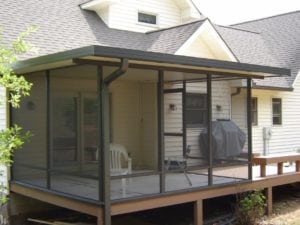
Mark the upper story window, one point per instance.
(254, 113)
(277, 111)
(147, 18)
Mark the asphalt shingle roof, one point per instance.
(63, 25)
(281, 36)
(250, 47)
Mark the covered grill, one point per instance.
(228, 140)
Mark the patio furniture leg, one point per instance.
(269, 197)
(280, 168)
(123, 187)
(188, 179)
(297, 166)
(262, 170)
(198, 212)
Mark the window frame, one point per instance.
(204, 110)
(255, 111)
(277, 115)
(150, 14)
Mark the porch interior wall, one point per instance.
(220, 96)
(32, 117)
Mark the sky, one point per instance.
(226, 12)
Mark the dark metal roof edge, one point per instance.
(273, 88)
(186, 60)
(55, 57)
(103, 51)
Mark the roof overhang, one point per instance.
(148, 60)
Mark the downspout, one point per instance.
(238, 91)
(117, 73)
(105, 134)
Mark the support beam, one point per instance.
(160, 116)
(48, 132)
(249, 127)
(269, 198)
(198, 212)
(280, 168)
(105, 155)
(209, 129)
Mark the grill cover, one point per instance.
(228, 140)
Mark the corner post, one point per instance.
(104, 159)
(249, 127)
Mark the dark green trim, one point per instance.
(138, 55)
(161, 130)
(117, 73)
(48, 128)
(273, 88)
(249, 126)
(209, 129)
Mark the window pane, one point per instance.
(90, 128)
(254, 111)
(64, 129)
(195, 101)
(195, 117)
(195, 109)
(147, 18)
(277, 111)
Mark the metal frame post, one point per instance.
(184, 142)
(104, 151)
(249, 127)
(48, 127)
(160, 120)
(209, 130)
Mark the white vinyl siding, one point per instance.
(124, 15)
(285, 137)
(173, 120)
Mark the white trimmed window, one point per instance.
(277, 111)
(147, 18)
(254, 111)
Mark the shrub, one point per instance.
(250, 208)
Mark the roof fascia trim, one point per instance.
(111, 52)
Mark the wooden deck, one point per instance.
(272, 179)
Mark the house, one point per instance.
(155, 78)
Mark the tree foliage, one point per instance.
(12, 138)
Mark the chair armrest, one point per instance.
(129, 160)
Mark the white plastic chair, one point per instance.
(118, 157)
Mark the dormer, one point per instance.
(143, 16)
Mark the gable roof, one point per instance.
(63, 25)
(250, 47)
(280, 34)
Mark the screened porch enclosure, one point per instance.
(161, 129)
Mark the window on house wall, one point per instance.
(147, 18)
(196, 110)
(277, 111)
(254, 112)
